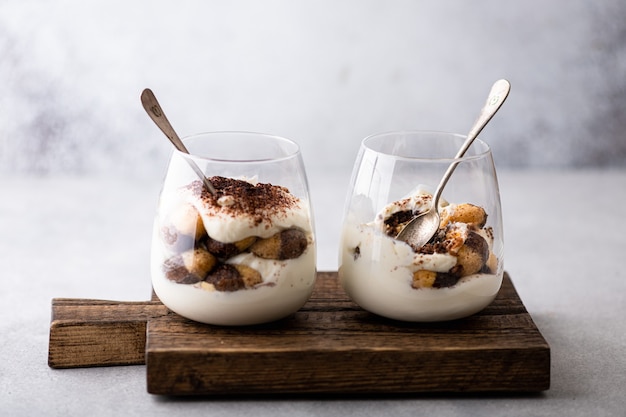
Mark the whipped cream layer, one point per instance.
(245, 208)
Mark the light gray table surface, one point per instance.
(89, 238)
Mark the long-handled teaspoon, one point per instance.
(154, 110)
(423, 227)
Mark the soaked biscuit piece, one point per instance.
(226, 278)
(472, 256)
(228, 250)
(445, 279)
(187, 221)
(249, 275)
(288, 244)
(198, 262)
(189, 267)
(466, 213)
(423, 279)
(174, 270)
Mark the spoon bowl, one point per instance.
(424, 226)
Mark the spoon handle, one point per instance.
(156, 113)
(499, 92)
(497, 95)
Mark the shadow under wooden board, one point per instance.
(330, 346)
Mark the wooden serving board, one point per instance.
(329, 346)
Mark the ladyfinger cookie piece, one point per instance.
(288, 244)
(468, 213)
(198, 262)
(472, 256)
(226, 278)
(249, 275)
(175, 270)
(228, 250)
(432, 279)
(187, 221)
(423, 278)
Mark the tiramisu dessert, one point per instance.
(242, 256)
(457, 273)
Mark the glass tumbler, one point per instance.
(459, 271)
(245, 253)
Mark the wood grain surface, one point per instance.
(329, 346)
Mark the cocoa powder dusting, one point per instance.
(259, 201)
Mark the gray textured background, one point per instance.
(324, 73)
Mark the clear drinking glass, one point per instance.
(245, 255)
(457, 273)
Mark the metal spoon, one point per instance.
(154, 110)
(423, 227)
